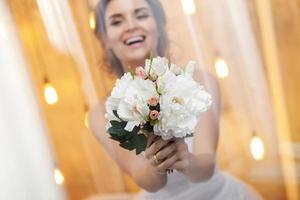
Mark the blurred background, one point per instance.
(52, 73)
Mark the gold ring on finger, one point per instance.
(156, 160)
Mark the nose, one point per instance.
(131, 25)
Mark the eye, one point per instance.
(115, 23)
(142, 16)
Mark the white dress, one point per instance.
(220, 187)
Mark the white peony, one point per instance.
(117, 94)
(133, 107)
(182, 101)
(175, 69)
(189, 69)
(110, 105)
(129, 98)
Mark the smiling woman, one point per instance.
(131, 31)
(48, 151)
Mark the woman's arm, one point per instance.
(199, 165)
(140, 168)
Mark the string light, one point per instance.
(221, 68)
(50, 93)
(86, 116)
(257, 148)
(188, 6)
(92, 21)
(58, 176)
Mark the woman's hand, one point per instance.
(196, 168)
(173, 154)
(182, 154)
(161, 153)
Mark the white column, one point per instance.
(26, 163)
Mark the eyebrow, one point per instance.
(116, 15)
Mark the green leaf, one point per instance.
(116, 114)
(140, 143)
(116, 139)
(136, 129)
(116, 131)
(127, 145)
(153, 122)
(118, 124)
(189, 135)
(148, 127)
(128, 140)
(129, 135)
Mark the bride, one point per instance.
(129, 30)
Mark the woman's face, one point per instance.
(131, 30)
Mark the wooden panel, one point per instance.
(286, 15)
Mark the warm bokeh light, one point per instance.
(86, 119)
(2, 31)
(92, 21)
(188, 6)
(257, 148)
(50, 94)
(221, 68)
(58, 176)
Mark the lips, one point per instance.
(134, 40)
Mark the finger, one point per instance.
(166, 151)
(178, 141)
(151, 139)
(157, 146)
(164, 155)
(181, 145)
(154, 148)
(154, 162)
(168, 162)
(180, 165)
(177, 166)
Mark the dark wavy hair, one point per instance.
(100, 31)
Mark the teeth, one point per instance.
(134, 39)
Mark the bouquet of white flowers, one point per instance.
(160, 98)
